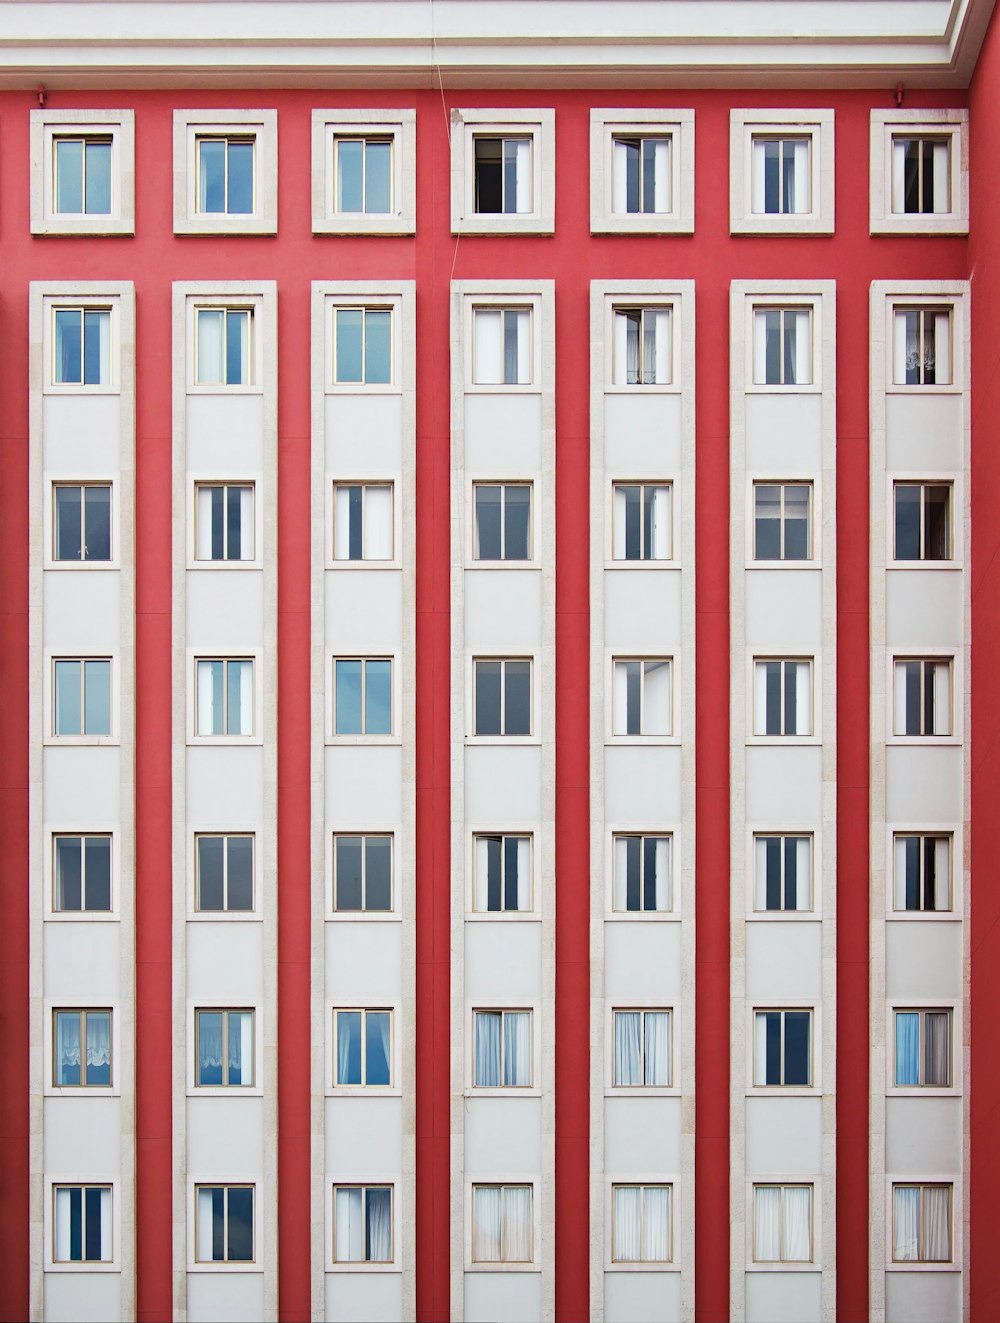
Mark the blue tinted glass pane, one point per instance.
(210, 858)
(93, 1223)
(68, 539)
(69, 175)
(378, 698)
(517, 714)
(212, 174)
(76, 1224)
(487, 698)
(239, 681)
(98, 184)
(97, 872)
(349, 1047)
(350, 174)
(68, 354)
(348, 337)
(347, 865)
(378, 873)
(237, 345)
(69, 883)
(210, 1047)
(218, 1223)
(97, 697)
(378, 177)
(240, 879)
(97, 522)
(240, 196)
(377, 1039)
(98, 1048)
(68, 1048)
(96, 340)
(240, 1224)
(378, 346)
(348, 686)
(67, 714)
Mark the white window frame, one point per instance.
(54, 1180)
(782, 1004)
(953, 831)
(252, 303)
(194, 1264)
(612, 1090)
(756, 831)
(52, 833)
(394, 482)
(467, 124)
(374, 302)
(955, 1042)
(49, 125)
(392, 915)
(674, 500)
(812, 304)
(391, 1090)
(506, 1178)
(395, 683)
(814, 482)
(957, 695)
(615, 830)
(400, 128)
(504, 741)
(475, 562)
(947, 123)
(254, 915)
(896, 478)
(501, 1005)
(815, 663)
(395, 1264)
(189, 127)
(53, 1090)
(498, 303)
(51, 304)
(608, 123)
(198, 480)
(674, 662)
(671, 1180)
(531, 914)
(114, 698)
(54, 480)
(952, 1265)
(815, 1262)
(196, 1090)
(815, 125)
(924, 304)
(252, 655)
(671, 308)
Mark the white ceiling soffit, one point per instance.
(489, 43)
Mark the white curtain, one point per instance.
(621, 872)
(486, 1223)
(661, 862)
(348, 1030)
(942, 698)
(64, 1225)
(942, 348)
(760, 1049)
(660, 524)
(628, 1048)
(241, 1047)
(524, 872)
(757, 170)
(800, 175)
(760, 347)
(210, 1040)
(803, 698)
(942, 182)
(627, 1222)
(619, 173)
(656, 1035)
(517, 1049)
(656, 1224)
(206, 1214)
(899, 872)
(379, 1224)
(760, 698)
(656, 698)
(342, 522)
(661, 339)
(899, 176)
(899, 699)
(798, 324)
(798, 1224)
(523, 322)
(211, 330)
(204, 518)
(937, 1041)
(349, 1230)
(68, 1046)
(661, 174)
(383, 1026)
(209, 691)
(624, 330)
(767, 1223)
(104, 331)
(523, 174)
(246, 523)
(937, 1224)
(621, 698)
(760, 872)
(489, 346)
(378, 522)
(902, 324)
(482, 882)
(517, 1223)
(488, 1049)
(907, 1048)
(98, 1039)
(803, 873)
(244, 685)
(906, 1223)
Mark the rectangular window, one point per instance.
(921, 347)
(224, 866)
(782, 698)
(642, 520)
(923, 696)
(782, 347)
(362, 346)
(81, 525)
(225, 175)
(503, 873)
(782, 521)
(224, 339)
(81, 1042)
(642, 347)
(781, 176)
(641, 175)
(82, 176)
(362, 874)
(82, 873)
(225, 696)
(224, 1217)
(921, 175)
(503, 520)
(502, 1049)
(923, 1049)
(642, 697)
(782, 1050)
(782, 1223)
(502, 338)
(502, 1224)
(643, 873)
(642, 1049)
(363, 696)
(922, 520)
(82, 1224)
(362, 521)
(641, 1223)
(782, 872)
(921, 1223)
(82, 347)
(921, 872)
(362, 1224)
(224, 1051)
(363, 174)
(363, 1041)
(82, 696)
(502, 174)
(225, 525)
(503, 697)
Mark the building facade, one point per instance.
(499, 608)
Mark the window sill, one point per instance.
(500, 389)
(225, 741)
(366, 741)
(811, 1266)
(77, 388)
(473, 564)
(782, 1091)
(919, 223)
(82, 916)
(503, 741)
(923, 916)
(925, 566)
(362, 916)
(641, 1091)
(646, 565)
(82, 1091)
(642, 222)
(642, 916)
(923, 742)
(227, 565)
(362, 1091)
(475, 1266)
(930, 1092)
(366, 1268)
(224, 1091)
(357, 222)
(923, 1267)
(83, 741)
(112, 1266)
(503, 222)
(96, 225)
(226, 1267)
(502, 916)
(355, 565)
(763, 388)
(75, 566)
(223, 916)
(508, 1092)
(642, 741)
(218, 388)
(224, 223)
(783, 916)
(663, 1265)
(362, 388)
(897, 388)
(784, 742)
(762, 224)
(642, 388)
(752, 563)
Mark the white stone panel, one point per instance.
(923, 1297)
(503, 1135)
(225, 785)
(643, 1297)
(363, 435)
(783, 1297)
(502, 610)
(81, 611)
(786, 1135)
(642, 962)
(364, 610)
(225, 963)
(783, 433)
(784, 609)
(502, 784)
(923, 608)
(642, 1135)
(225, 1136)
(81, 784)
(783, 960)
(924, 433)
(364, 1297)
(363, 963)
(363, 1138)
(81, 962)
(225, 434)
(643, 785)
(226, 1297)
(503, 960)
(363, 786)
(784, 785)
(923, 1136)
(82, 1135)
(642, 608)
(502, 435)
(82, 435)
(923, 784)
(83, 1297)
(923, 959)
(503, 1297)
(642, 434)
(225, 611)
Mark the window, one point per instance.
(641, 1223)
(642, 347)
(82, 521)
(923, 1049)
(81, 1049)
(82, 347)
(782, 522)
(920, 171)
(502, 171)
(82, 1223)
(503, 873)
(364, 1048)
(224, 1052)
(641, 174)
(224, 513)
(502, 346)
(782, 347)
(362, 521)
(82, 172)
(782, 1049)
(782, 697)
(225, 696)
(642, 1049)
(82, 696)
(82, 175)
(224, 1217)
(502, 1049)
(82, 873)
(363, 690)
(781, 175)
(362, 1224)
(501, 1224)
(921, 174)
(224, 346)
(923, 696)
(782, 872)
(225, 175)
(224, 867)
(781, 171)
(921, 872)
(922, 520)
(921, 347)
(503, 696)
(225, 171)
(364, 172)
(503, 174)
(363, 175)
(782, 1223)
(642, 873)
(642, 520)
(362, 873)
(640, 180)
(921, 1223)
(362, 346)
(503, 520)
(642, 698)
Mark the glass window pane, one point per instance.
(348, 366)
(488, 698)
(378, 873)
(67, 1049)
(378, 346)
(211, 174)
(98, 1049)
(378, 698)
(98, 183)
(69, 873)
(378, 1035)
(348, 698)
(767, 522)
(97, 872)
(239, 890)
(97, 522)
(239, 197)
(907, 521)
(517, 523)
(69, 346)
(349, 1047)
(69, 175)
(378, 178)
(210, 874)
(517, 698)
(347, 864)
(237, 346)
(350, 174)
(210, 335)
(96, 343)
(210, 1046)
(68, 539)
(488, 541)
(68, 713)
(797, 1048)
(489, 175)
(240, 1224)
